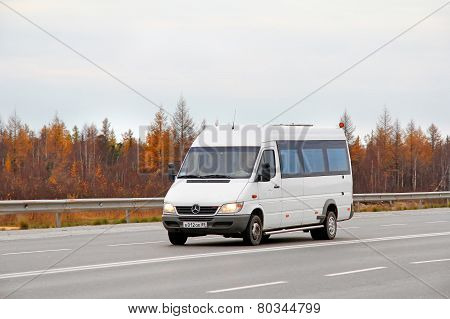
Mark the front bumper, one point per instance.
(217, 224)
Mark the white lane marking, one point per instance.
(248, 287)
(354, 271)
(162, 241)
(216, 254)
(344, 228)
(142, 243)
(36, 251)
(437, 221)
(430, 261)
(389, 225)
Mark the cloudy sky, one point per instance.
(257, 56)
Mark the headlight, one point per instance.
(168, 209)
(231, 208)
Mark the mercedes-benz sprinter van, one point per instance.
(252, 182)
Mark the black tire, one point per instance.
(253, 234)
(328, 232)
(265, 238)
(177, 239)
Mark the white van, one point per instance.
(252, 182)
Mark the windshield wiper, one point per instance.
(189, 176)
(215, 176)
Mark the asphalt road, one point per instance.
(375, 255)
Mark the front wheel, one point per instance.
(253, 234)
(328, 232)
(177, 239)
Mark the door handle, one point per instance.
(276, 186)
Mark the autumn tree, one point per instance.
(183, 130)
(398, 155)
(418, 154)
(357, 154)
(58, 146)
(157, 150)
(349, 128)
(383, 149)
(437, 169)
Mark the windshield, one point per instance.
(219, 162)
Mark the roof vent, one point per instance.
(293, 124)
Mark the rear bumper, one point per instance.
(352, 212)
(218, 225)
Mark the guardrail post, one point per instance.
(127, 216)
(58, 220)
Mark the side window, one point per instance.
(290, 162)
(291, 165)
(268, 156)
(313, 160)
(338, 157)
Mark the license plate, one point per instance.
(195, 224)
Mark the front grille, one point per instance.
(194, 218)
(204, 210)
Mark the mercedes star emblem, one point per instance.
(195, 209)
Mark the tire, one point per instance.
(328, 232)
(177, 239)
(253, 234)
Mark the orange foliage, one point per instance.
(90, 163)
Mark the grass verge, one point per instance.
(47, 220)
(399, 206)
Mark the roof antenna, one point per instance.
(234, 119)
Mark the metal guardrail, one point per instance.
(78, 205)
(387, 197)
(127, 204)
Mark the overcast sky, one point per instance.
(257, 56)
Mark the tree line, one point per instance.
(91, 162)
(396, 159)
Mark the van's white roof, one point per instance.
(254, 135)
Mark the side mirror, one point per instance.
(171, 172)
(265, 173)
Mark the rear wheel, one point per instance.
(253, 234)
(177, 239)
(328, 232)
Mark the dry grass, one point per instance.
(47, 220)
(398, 206)
(2, 228)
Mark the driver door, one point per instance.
(269, 192)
